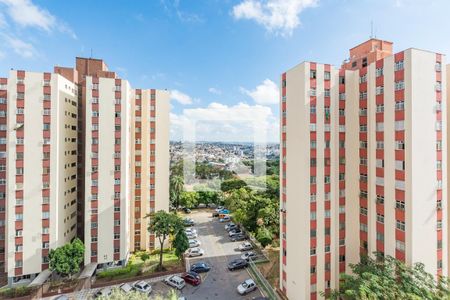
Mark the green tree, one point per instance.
(189, 199)
(176, 188)
(232, 184)
(162, 224)
(180, 243)
(144, 256)
(66, 260)
(388, 278)
(264, 236)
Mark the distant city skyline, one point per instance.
(213, 55)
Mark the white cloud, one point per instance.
(20, 47)
(265, 94)
(180, 97)
(214, 91)
(277, 16)
(219, 122)
(26, 14)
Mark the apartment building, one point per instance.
(363, 165)
(38, 163)
(149, 162)
(100, 165)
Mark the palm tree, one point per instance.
(176, 188)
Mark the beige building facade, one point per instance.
(71, 143)
(363, 165)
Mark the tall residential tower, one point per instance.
(363, 165)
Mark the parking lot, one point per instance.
(219, 283)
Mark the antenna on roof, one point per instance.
(371, 29)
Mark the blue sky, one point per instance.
(219, 57)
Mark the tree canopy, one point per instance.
(66, 260)
(388, 278)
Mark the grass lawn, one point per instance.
(137, 267)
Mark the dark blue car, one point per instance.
(200, 267)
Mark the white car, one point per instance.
(229, 224)
(194, 243)
(191, 235)
(126, 288)
(143, 287)
(190, 230)
(175, 281)
(246, 287)
(225, 219)
(245, 246)
(219, 208)
(248, 255)
(195, 252)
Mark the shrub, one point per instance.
(264, 236)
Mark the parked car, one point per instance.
(246, 287)
(194, 243)
(238, 237)
(143, 287)
(200, 267)
(191, 235)
(237, 264)
(175, 281)
(61, 297)
(188, 222)
(126, 288)
(225, 219)
(233, 232)
(215, 214)
(191, 252)
(245, 246)
(249, 255)
(186, 210)
(104, 292)
(219, 208)
(224, 211)
(190, 230)
(201, 205)
(231, 224)
(212, 205)
(192, 278)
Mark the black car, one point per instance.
(238, 237)
(237, 264)
(187, 210)
(200, 267)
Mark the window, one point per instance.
(380, 218)
(363, 78)
(341, 96)
(45, 215)
(380, 145)
(313, 215)
(363, 210)
(312, 109)
(379, 72)
(327, 75)
(399, 205)
(363, 112)
(399, 145)
(312, 74)
(363, 227)
(400, 105)
(400, 225)
(312, 251)
(380, 236)
(379, 126)
(399, 245)
(399, 125)
(400, 165)
(312, 92)
(312, 127)
(380, 108)
(362, 95)
(379, 90)
(327, 248)
(399, 65)
(312, 179)
(363, 128)
(312, 198)
(399, 85)
(327, 93)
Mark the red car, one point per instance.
(192, 278)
